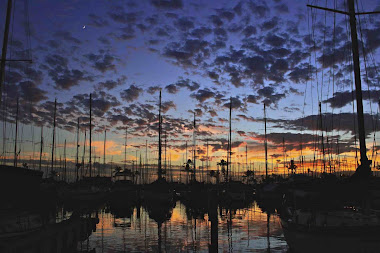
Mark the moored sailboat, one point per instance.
(337, 217)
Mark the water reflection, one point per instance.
(180, 227)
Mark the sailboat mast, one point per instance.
(266, 143)
(283, 151)
(194, 148)
(166, 160)
(207, 165)
(140, 170)
(159, 139)
(41, 147)
(4, 49)
(125, 148)
(84, 151)
(90, 133)
(246, 157)
(77, 158)
(364, 169)
(16, 121)
(52, 147)
(146, 160)
(322, 138)
(104, 150)
(230, 138)
(64, 161)
(358, 87)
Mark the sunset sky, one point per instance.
(200, 53)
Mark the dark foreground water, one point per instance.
(137, 229)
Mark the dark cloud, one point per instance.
(102, 61)
(104, 40)
(341, 99)
(249, 30)
(236, 103)
(30, 92)
(274, 40)
(200, 32)
(184, 24)
(161, 32)
(101, 102)
(259, 8)
(301, 73)
(97, 21)
(166, 106)
(202, 95)
(213, 75)
(238, 8)
(252, 99)
(216, 20)
(111, 84)
(53, 44)
(339, 122)
(190, 53)
(66, 78)
(282, 8)
(65, 35)
(153, 89)
(131, 94)
(187, 83)
(225, 14)
(269, 95)
(123, 17)
(171, 88)
(268, 25)
(167, 4)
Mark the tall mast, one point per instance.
(358, 90)
(41, 147)
(64, 161)
(364, 169)
(322, 138)
(159, 139)
(77, 158)
(125, 148)
(166, 160)
(104, 150)
(52, 147)
(135, 168)
(230, 151)
(207, 165)
(15, 158)
(84, 150)
(90, 133)
(140, 170)
(194, 149)
(266, 143)
(146, 159)
(229, 143)
(4, 50)
(246, 157)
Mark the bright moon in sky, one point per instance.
(84, 27)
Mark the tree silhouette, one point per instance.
(222, 165)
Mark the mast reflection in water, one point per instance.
(185, 229)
